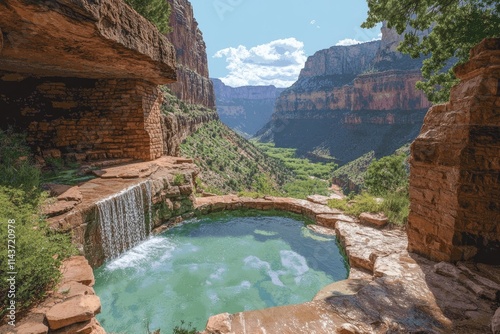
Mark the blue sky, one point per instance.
(261, 42)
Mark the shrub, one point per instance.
(156, 11)
(16, 167)
(184, 329)
(387, 175)
(359, 204)
(396, 207)
(179, 179)
(39, 250)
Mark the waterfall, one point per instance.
(125, 219)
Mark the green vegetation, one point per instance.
(304, 168)
(456, 25)
(387, 175)
(179, 179)
(229, 163)
(38, 250)
(354, 172)
(173, 105)
(156, 11)
(184, 328)
(310, 178)
(386, 184)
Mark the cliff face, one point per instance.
(80, 77)
(455, 167)
(245, 109)
(352, 100)
(193, 85)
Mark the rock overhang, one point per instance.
(99, 39)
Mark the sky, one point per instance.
(266, 42)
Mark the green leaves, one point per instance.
(387, 175)
(156, 11)
(457, 26)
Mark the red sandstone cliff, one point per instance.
(352, 100)
(193, 85)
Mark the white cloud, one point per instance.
(348, 41)
(276, 63)
(313, 22)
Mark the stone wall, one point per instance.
(85, 119)
(455, 167)
(80, 77)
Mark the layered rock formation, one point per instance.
(352, 100)
(245, 109)
(193, 85)
(70, 308)
(81, 78)
(191, 100)
(455, 167)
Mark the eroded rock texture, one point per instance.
(193, 85)
(361, 97)
(455, 167)
(80, 76)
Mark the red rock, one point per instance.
(73, 310)
(374, 219)
(72, 288)
(85, 327)
(58, 208)
(77, 269)
(32, 328)
(455, 163)
(72, 194)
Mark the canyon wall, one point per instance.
(455, 167)
(193, 85)
(81, 78)
(190, 102)
(245, 109)
(351, 100)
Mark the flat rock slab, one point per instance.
(32, 328)
(364, 244)
(72, 194)
(73, 310)
(77, 269)
(58, 208)
(373, 219)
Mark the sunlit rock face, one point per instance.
(361, 96)
(81, 78)
(455, 167)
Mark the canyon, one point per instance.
(92, 96)
(350, 100)
(245, 109)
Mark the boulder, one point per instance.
(374, 219)
(495, 322)
(73, 310)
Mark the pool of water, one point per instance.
(213, 265)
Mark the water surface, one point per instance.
(213, 265)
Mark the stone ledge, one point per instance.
(388, 290)
(83, 38)
(69, 309)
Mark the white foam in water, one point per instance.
(218, 274)
(256, 263)
(139, 255)
(122, 219)
(295, 262)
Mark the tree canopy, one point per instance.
(455, 27)
(156, 11)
